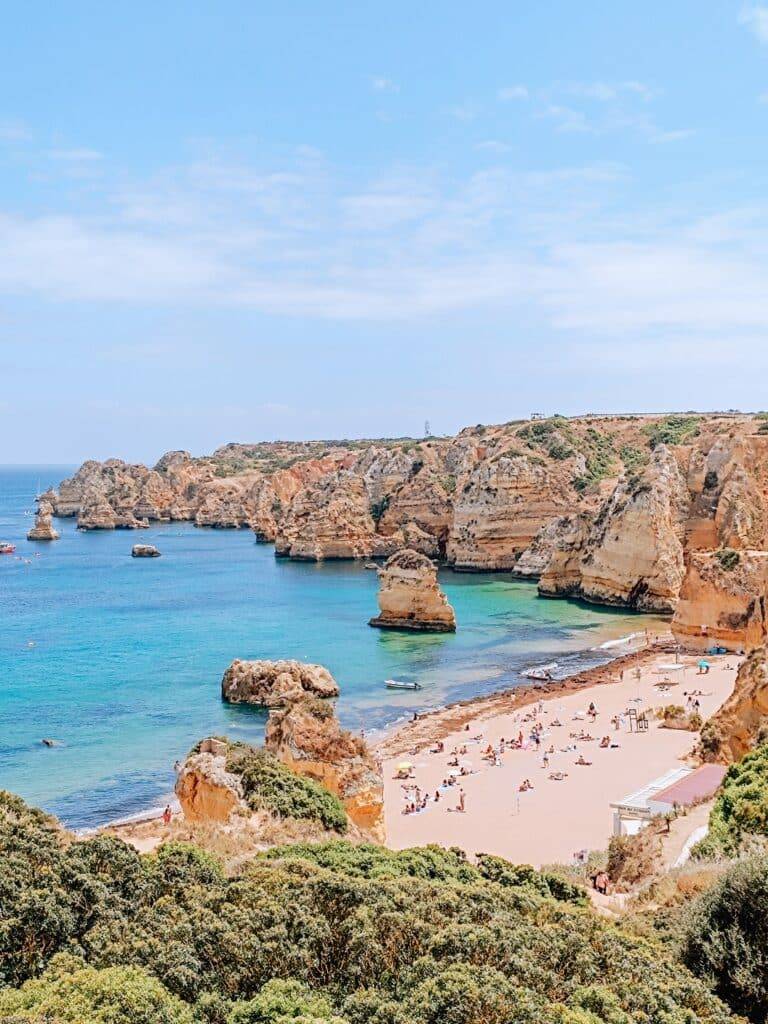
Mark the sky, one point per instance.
(241, 221)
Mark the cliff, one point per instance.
(605, 508)
(723, 599)
(742, 721)
(274, 683)
(410, 596)
(307, 737)
(207, 791)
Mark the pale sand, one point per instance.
(555, 819)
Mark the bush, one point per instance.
(72, 992)
(672, 430)
(726, 938)
(741, 808)
(309, 934)
(270, 785)
(728, 559)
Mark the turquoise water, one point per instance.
(121, 659)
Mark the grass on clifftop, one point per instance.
(270, 785)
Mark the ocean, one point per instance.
(120, 660)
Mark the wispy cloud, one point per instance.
(756, 19)
(12, 130)
(493, 146)
(513, 92)
(605, 92)
(464, 111)
(381, 84)
(75, 155)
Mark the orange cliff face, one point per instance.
(410, 596)
(307, 737)
(742, 721)
(609, 509)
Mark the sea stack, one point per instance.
(43, 528)
(272, 684)
(145, 551)
(410, 597)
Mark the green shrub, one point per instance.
(672, 430)
(726, 938)
(728, 558)
(741, 808)
(270, 785)
(69, 991)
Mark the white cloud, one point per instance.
(464, 111)
(75, 155)
(513, 92)
(13, 131)
(756, 19)
(607, 91)
(381, 84)
(493, 146)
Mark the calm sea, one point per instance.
(120, 659)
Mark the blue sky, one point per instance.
(241, 221)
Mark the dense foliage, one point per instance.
(268, 784)
(741, 808)
(672, 430)
(726, 937)
(328, 934)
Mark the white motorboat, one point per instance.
(395, 684)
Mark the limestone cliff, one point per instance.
(207, 792)
(601, 507)
(43, 528)
(634, 554)
(742, 721)
(724, 599)
(499, 510)
(307, 737)
(275, 683)
(410, 596)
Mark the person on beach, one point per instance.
(461, 806)
(167, 815)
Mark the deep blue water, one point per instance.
(121, 659)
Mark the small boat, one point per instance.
(394, 684)
(6, 548)
(543, 672)
(370, 565)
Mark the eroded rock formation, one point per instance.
(145, 551)
(307, 737)
(410, 596)
(207, 792)
(43, 528)
(604, 508)
(724, 599)
(742, 721)
(274, 683)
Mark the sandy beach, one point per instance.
(551, 821)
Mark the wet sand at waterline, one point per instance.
(556, 818)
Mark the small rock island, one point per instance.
(410, 596)
(144, 551)
(43, 528)
(273, 684)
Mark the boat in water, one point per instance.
(395, 684)
(6, 548)
(541, 672)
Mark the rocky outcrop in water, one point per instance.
(410, 596)
(275, 683)
(43, 528)
(145, 551)
(742, 721)
(307, 737)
